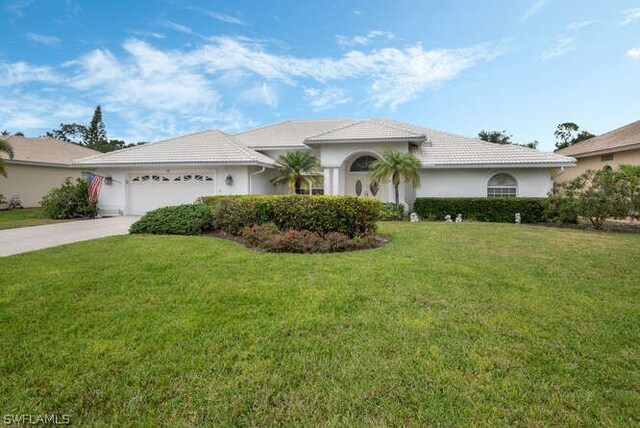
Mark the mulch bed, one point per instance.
(378, 242)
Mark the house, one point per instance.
(607, 151)
(211, 162)
(39, 164)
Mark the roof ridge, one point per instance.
(335, 129)
(601, 136)
(394, 126)
(140, 146)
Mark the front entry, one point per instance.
(358, 182)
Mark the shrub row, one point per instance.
(350, 216)
(268, 237)
(498, 210)
(189, 219)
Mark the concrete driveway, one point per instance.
(21, 240)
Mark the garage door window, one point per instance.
(166, 178)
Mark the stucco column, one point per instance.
(391, 192)
(327, 181)
(335, 182)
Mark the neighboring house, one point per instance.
(39, 164)
(607, 151)
(214, 163)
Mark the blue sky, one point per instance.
(164, 68)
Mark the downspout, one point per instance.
(255, 173)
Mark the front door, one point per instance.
(358, 182)
(361, 185)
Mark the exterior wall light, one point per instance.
(108, 180)
(229, 180)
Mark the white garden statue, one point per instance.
(447, 218)
(413, 217)
(518, 218)
(459, 218)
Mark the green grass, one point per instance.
(24, 217)
(450, 324)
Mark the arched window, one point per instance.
(362, 164)
(502, 186)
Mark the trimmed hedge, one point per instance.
(351, 216)
(497, 210)
(189, 219)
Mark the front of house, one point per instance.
(211, 162)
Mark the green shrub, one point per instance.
(351, 216)
(390, 212)
(497, 210)
(189, 219)
(595, 195)
(2, 199)
(71, 200)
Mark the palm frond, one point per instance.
(6, 148)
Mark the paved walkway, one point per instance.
(21, 240)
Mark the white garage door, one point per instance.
(151, 190)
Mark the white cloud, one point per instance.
(41, 38)
(357, 12)
(221, 17)
(21, 72)
(159, 92)
(634, 53)
(151, 34)
(563, 45)
(326, 98)
(262, 94)
(574, 26)
(17, 7)
(532, 10)
(364, 40)
(178, 27)
(630, 15)
(41, 112)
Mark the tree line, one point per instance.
(567, 134)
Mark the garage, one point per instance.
(151, 190)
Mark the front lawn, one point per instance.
(450, 324)
(24, 217)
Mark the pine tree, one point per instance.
(96, 133)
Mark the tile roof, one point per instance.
(291, 133)
(45, 150)
(209, 146)
(616, 140)
(446, 149)
(367, 130)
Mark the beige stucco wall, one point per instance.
(30, 183)
(595, 163)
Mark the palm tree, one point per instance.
(396, 166)
(295, 169)
(5, 147)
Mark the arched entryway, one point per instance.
(358, 182)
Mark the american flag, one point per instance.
(95, 182)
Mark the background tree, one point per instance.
(568, 134)
(5, 147)
(501, 137)
(96, 133)
(496, 137)
(295, 169)
(93, 136)
(396, 166)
